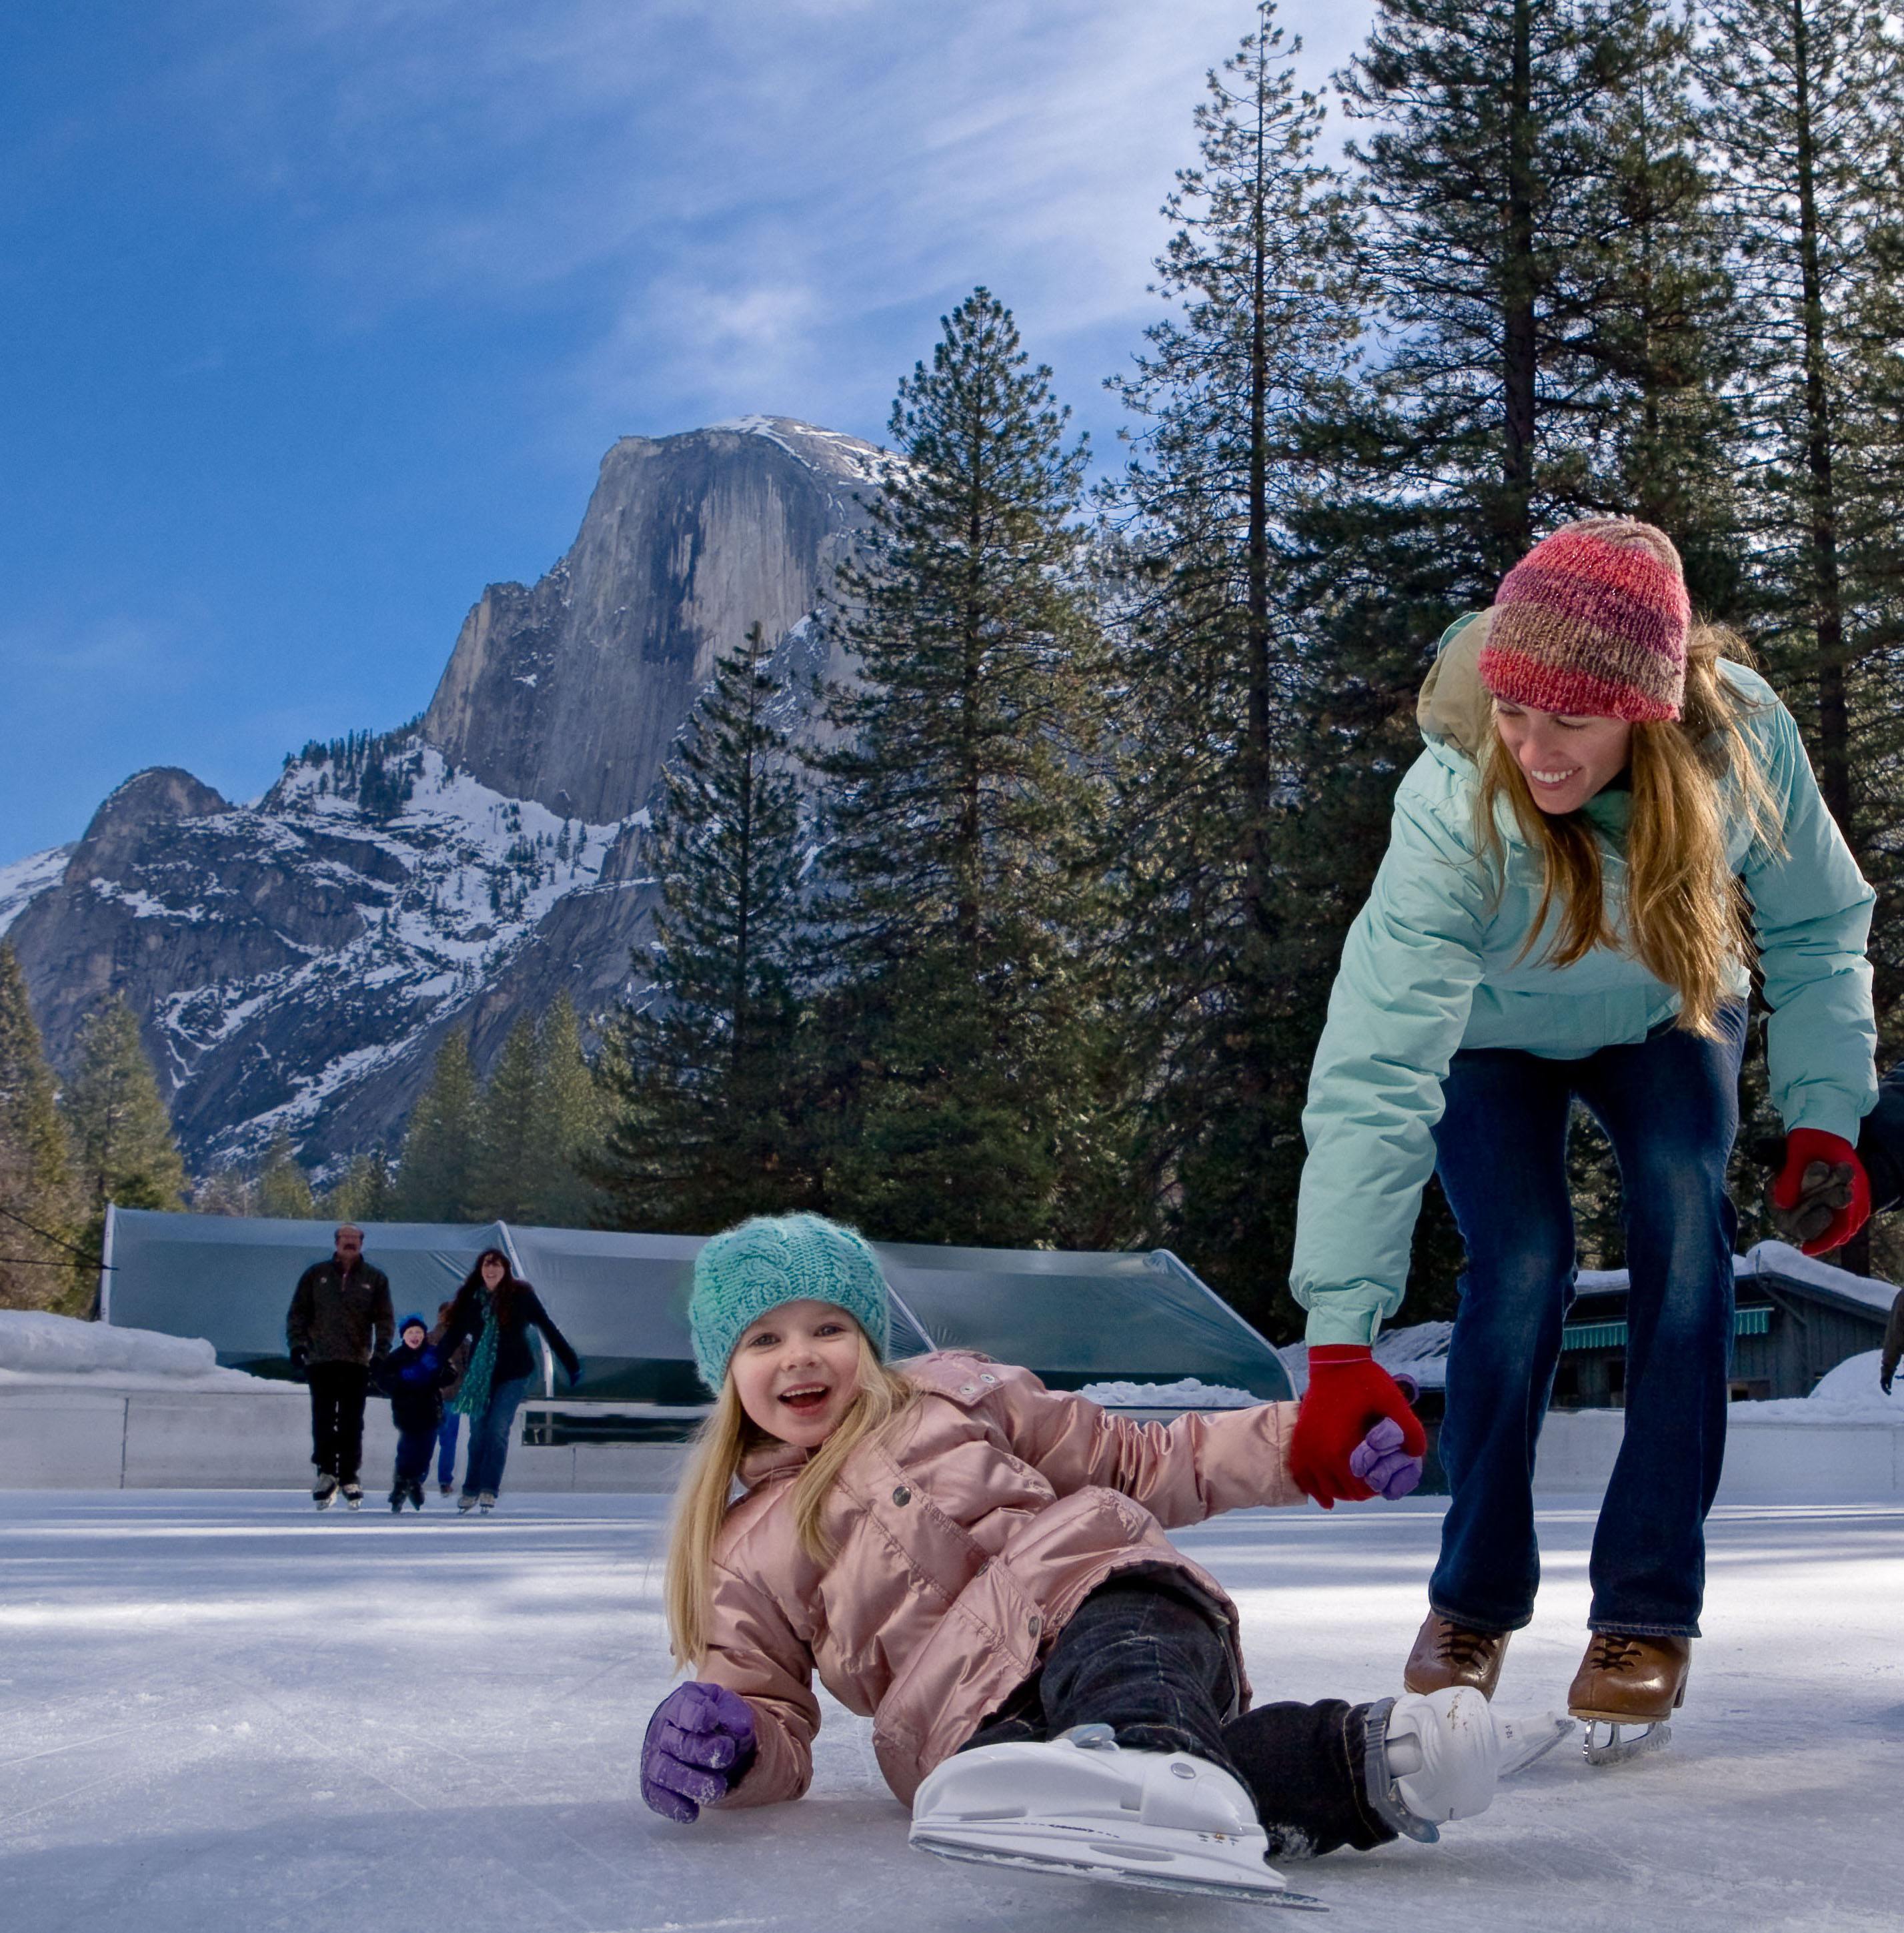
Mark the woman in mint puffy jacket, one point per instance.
(1610, 819)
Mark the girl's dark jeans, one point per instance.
(1143, 1655)
(1670, 1106)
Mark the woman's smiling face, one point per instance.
(797, 1370)
(1566, 760)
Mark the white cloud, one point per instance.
(135, 653)
(737, 195)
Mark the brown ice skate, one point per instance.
(1631, 1685)
(1446, 1653)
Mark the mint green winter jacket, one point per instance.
(1435, 962)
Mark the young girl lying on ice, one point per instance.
(979, 1563)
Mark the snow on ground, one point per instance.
(1849, 1394)
(38, 1348)
(223, 1711)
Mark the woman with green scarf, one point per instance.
(495, 1312)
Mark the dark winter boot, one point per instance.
(1446, 1653)
(416, 1494)
(353, 1495)
(323, 1492)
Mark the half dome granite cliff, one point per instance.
(296, 960)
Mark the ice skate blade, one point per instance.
(1274, 1894)
(1649, 1735)
(1529, 1739)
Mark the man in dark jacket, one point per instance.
(1893, 1344)
(340, 1317)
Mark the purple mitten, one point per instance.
(1381, 1462)
(700, 1744)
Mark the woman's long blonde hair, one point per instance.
(1687, 919)
(706, 1491)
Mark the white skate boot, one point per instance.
(1434, 1757)
(1083, 1806)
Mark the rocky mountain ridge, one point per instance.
(296, 960)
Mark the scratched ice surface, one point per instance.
(221, 1711)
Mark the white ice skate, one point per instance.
(1083, 1806)
(1436, 1756)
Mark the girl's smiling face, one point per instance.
(1566, 760)
(797, 1370)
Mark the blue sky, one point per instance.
(317, 316)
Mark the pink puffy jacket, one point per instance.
(965, 1540)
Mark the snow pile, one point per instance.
(1778, 1258)
(1849, 1394)
(1187, 1393)
(35, 1345)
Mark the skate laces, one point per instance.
(1612, 1651)
(1463, 1648)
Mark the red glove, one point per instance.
(1807, 1150)
(1349, 1393)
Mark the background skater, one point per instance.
(340, 1317)
(412, 1375)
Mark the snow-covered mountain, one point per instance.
(296, 960)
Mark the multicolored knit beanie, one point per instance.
(1592, 622)
(746, 1271)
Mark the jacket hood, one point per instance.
(1452, 710)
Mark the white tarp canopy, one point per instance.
(621, 1300)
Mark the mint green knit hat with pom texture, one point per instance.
(745, 1271)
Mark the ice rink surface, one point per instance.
(222, 1711)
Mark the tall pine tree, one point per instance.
(1657, 339)
(40, 1224)
(1262, 275)
(282, 1189)
(123, 1147)
(1807, 103)
(506, 1158)
(570, 1119)
(437, 1173)
(363, 1192)
(960, 1018)
(702, 1072)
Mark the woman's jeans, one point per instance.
(447, 1433)
(490, 1430)
(1143, 1655)
(1670, 1106)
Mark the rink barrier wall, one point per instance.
(1577, 1448)
(80, 1438)
(85, 1439)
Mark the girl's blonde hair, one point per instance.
(1687, 918)
(706, 1491)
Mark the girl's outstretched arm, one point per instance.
(1180, 1472)
(753, 1651)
